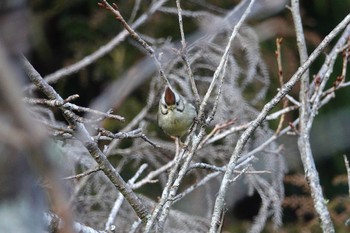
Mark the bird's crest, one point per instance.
(169, 96)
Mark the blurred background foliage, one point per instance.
(63, 32)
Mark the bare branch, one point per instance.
(81, 175)
(347, 171)
(69, 106)
(280, 76)
(223, 60)
(303, 140)
(219, 203)
(120, 199)
(195, 141)
(166, 191)
(135, 36)
(150, 177)
(184, 55)
(82, 134)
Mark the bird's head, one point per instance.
(171, 101)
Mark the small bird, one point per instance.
(175, 114)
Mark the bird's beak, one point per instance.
(171, 107)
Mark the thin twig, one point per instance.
(136, 120)
(184, 55)
(81, 175)
(134, 11)
(136, 133)
(150, 177)
(187, 155)
(212, 112)
(292, 100)
(244, 126)
(50, 103)
(220, 169)
(135, 36)
(135, 226)
(340, 80)
(346, 161)
(280, 76)
(166, 191)
(240, 174)
(120, 199)
(69, 106)
(73, 107)
(216, 129)
(323, 75)
(250, 155)
(185, 13)
(203, 181)
(223, 61)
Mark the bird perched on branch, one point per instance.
(175, 113)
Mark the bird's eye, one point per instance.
(164, 109)
(180, 106)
